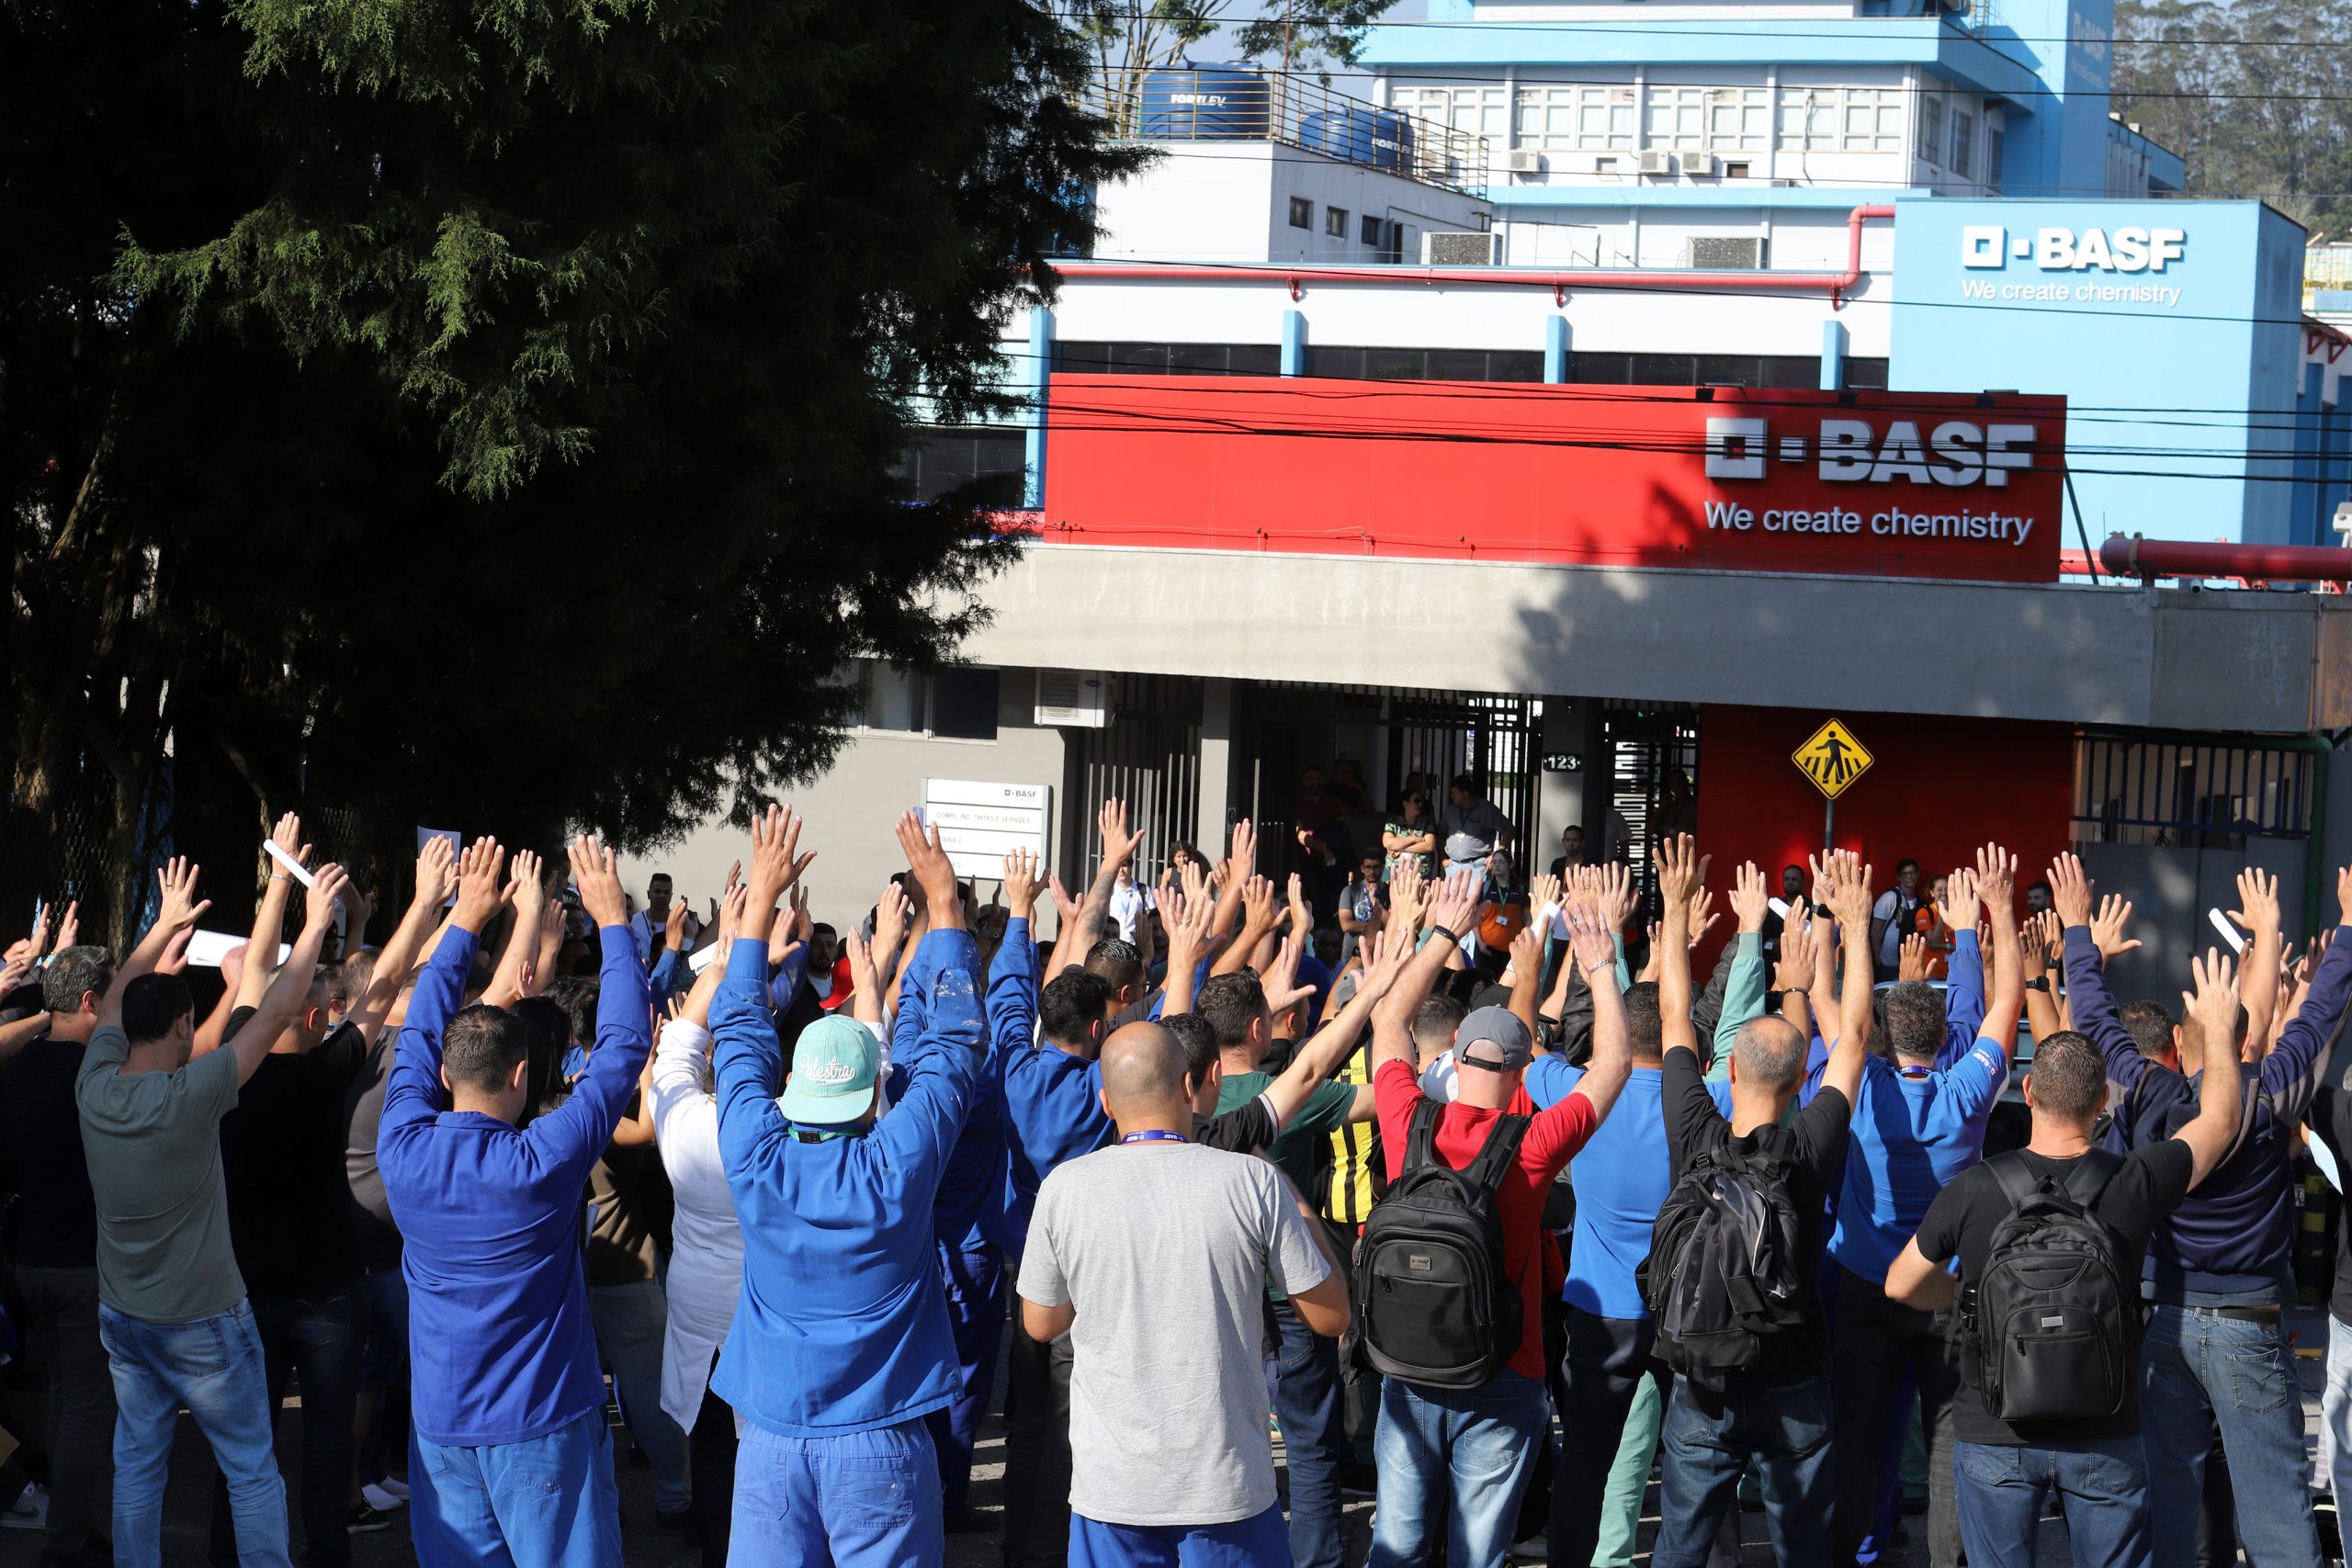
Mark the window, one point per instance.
(1676, 117)
(1478, 110)
(1301, 213)
(1074, 356)
(945, 459)
(1931, 128)
(1783, 370)
(958, 703)
(1335, 222)
(1996, 138)
(1843, 119)
(1963, 131)
(1374, 231)
(1426, 363)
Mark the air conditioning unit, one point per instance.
(1461, 247)
(1526, 161)
(1657, 161)
(1724, 252)
(1072, 699)
(1702, 163)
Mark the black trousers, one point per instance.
(1036, 1451)
(1605, 1361)
(710, 1460)
(1878, 1340)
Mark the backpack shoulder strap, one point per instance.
(2017, 1181)
(2090, 1175)
(1420, 1135)
(1499, 1153)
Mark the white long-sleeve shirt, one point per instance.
(707, 1258)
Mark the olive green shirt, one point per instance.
(154, 1145)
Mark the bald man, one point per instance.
(1155, 1254)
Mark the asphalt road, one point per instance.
(188, 1505)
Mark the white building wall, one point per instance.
(1209, 202)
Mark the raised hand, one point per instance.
(1963, 907)
(1680, 871)
(1527, 951)
(1749, 901)
(1281, 983)
(175, 883)
(1613, 893)
(288, 836)
(1997, 877)
(1302, 920)
(893, 911)
(1022, 884)
(1703, 911)
(436, 872)
(731, 919)
(1118, 844)
(1242, 858)
(776, 860)
(2070, 891)
(2258, 907)
(1456, 904)
(2213, 1002)
(1593, 941)
(597, 873)
(932, 871)
(68, 926)
(1258, 905)
(1543, 892)
(319, 898)
(479, 890)
(175, 956)
(1912, 958)
(2106, 930)
(1405, 888)
(1845, 883)
(1794, 970)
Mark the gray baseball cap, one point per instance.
(1500, 1029)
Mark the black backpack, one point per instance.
(2053, 1316)
(1434, 1305)
(1725, 1273)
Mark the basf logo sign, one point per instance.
(2054, 263)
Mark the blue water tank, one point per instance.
(1381, 138)
(1206, 103)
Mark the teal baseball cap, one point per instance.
(833, 1066)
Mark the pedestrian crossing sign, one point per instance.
(1833, 759)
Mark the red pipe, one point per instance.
(1836, 283)
(2132, 556)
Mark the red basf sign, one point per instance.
(1896, 484)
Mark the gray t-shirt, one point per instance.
(1166, 1250)
(153, 1142)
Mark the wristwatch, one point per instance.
(2039, 983)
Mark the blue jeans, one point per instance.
(2335, 1414)
(2102, 1487)
(318, 1339)
(546, 1502)
(2194, 1361)
(213, 1365)
(976, 1295)
(1466, 1452)
(1314, 1438)
(1784, 1428)
(630, 1322)
(1254, 1542)
(859, 1500)
(383, 1372)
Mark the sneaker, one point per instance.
(366, 1520)
(394, 1485)
(381, 1498)
(29, 1511)
(1534, 1548)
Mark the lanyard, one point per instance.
(1155, 1135)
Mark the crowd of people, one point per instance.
(1403, 1157)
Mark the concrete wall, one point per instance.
(2239, 662)
(851, 808)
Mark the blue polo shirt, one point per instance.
(1621, 1176)
(841, 1326)
(1053, 1100)
(1912, 1132)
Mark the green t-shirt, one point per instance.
(152, 1141)
(1325, 1111)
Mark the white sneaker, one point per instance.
(29, 1511)
(381, 1498)
(395, 1485)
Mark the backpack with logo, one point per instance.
(1434, 1303)
(2051, 1318)
(1726, 1273)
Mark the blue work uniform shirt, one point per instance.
(1620, 1177)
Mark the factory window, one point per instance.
(1569, 118)
(1964, 132)
(958, 703)
(1167, 358)
(1481, 111)
(1426, 363)
(944, 459)
(1931, 128)
(1739, 120)
(1301, 213)
(1698, 369)
(1843, 119)
(1374, 231)
(1335, 222)
(1676, 117)
(1996, 138)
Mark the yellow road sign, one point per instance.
(1833, 759)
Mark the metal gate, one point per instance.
(1148, 755)
(1653, 782)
